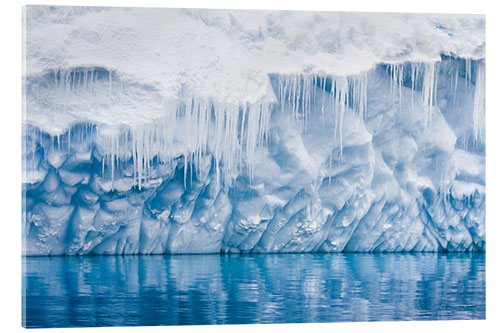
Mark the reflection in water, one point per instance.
(229, 289)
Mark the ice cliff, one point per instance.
(196, 131)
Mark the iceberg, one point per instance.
(150, 131)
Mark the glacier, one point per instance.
(149, 131)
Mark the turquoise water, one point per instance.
(271, 288)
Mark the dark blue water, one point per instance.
(229, 289)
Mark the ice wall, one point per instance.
(385, 161)
(125, 158)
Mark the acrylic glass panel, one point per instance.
(195, 166)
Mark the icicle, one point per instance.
(413, 79)
(323, 86)
(110, 83)
(400, 73)
(396, 72)
(102, 168)
(343, 98)
(185, 170)
(339, 99)
(113, 152)
(479, 103)
(69, 140)
(428, 91)
(359, 85)
(468, 72)
(230, 133)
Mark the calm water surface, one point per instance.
(231, 289)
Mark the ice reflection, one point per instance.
(215, 289)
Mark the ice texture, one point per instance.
(197, 131)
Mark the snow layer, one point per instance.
(194, 131)
(152, 57)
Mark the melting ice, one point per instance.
(387, 158)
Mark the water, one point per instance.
(230, 289)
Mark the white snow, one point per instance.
(222, 56)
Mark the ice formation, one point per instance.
(197, 131)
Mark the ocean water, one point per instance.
(244, 289)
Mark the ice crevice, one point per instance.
(372, 161)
